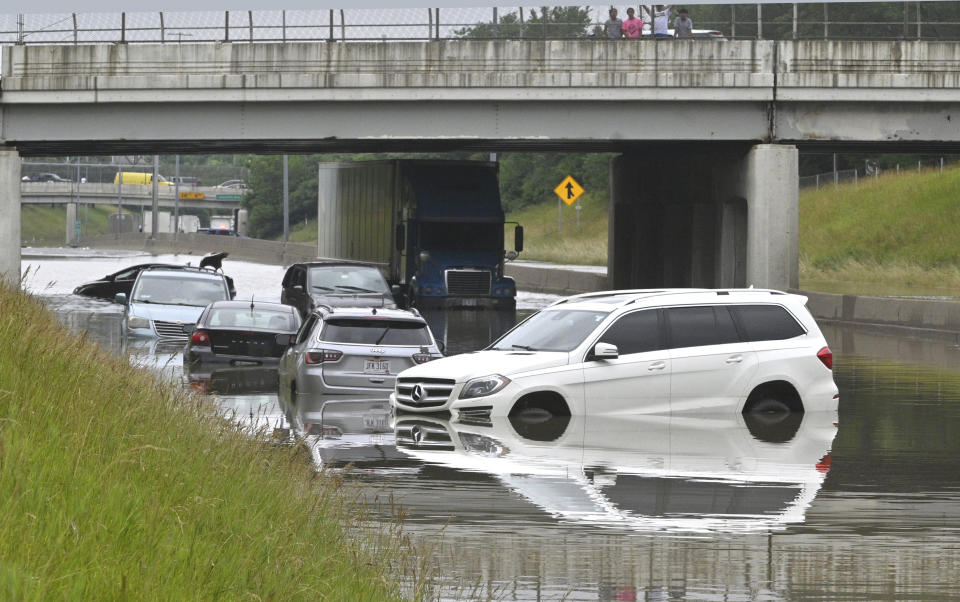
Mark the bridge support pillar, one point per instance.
(702, 216)
(10, 215)
(71, 224)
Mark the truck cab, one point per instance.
(454, 238)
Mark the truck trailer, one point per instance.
(435, 227)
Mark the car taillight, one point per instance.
(200, 338)
(826, 356)
(422, 358)
(323, 355)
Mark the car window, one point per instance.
(288, 277)
(635, 332)
(167, 290)
(347, 279)
(701, 325)
(240, 317)
(306, 329)
(767, 322)
(128, 274)
(553, 330)
(375, 332)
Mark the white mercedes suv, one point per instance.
(639, 351)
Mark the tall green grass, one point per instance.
(46, 225)
(585, 244)
(114, 485)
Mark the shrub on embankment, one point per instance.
(116, 485)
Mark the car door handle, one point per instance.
(734, 359)
(377, 380)
(657, 366)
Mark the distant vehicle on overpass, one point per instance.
(139, 178)
(45, 177)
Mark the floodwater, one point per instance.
(864, 505)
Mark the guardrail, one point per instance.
(866, 21)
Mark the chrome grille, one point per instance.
(468, 282)
(170, 330)
(423, 435)
(434, 391)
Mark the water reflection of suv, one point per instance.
(622, 352)
(163, 301)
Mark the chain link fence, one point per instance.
(902, 20)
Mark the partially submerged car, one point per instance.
(355, 351)
(241, 333)
(640, 351)
(122, 281)
(314, 284)
(163, 301)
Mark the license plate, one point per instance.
(245, 363)
(376, 366)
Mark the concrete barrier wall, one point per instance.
(248, 249)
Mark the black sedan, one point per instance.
(241, 333)
(122, 282)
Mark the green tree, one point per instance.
(550, 22)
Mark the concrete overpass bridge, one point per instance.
(199, 197)
(704, 192)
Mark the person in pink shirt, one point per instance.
(632, 26)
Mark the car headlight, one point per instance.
(137, 322)
(483, 386)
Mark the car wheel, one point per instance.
(771, 420)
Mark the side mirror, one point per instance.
(189, 328)
(605, 351)
(400, 236)
(285, 339)
(518, 239)
(120, 298)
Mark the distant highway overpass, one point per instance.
(93, 193)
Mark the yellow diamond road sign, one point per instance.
(568, 190)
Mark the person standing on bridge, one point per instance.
(683, 24)
(632, 27)
(661, 21)
(614, 26)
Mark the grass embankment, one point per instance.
(895, 229)
(43, 225)
(118, 486)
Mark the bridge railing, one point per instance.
(877, 21)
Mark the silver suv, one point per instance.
(355, 350)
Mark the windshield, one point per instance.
(376, 332)
(347, 279)
(555, 330)
(240, 317)
(461, 236)
(173, 290)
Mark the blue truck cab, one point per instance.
(436, 228)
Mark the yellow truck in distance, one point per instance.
(140, 178)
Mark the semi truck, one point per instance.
(436, 228)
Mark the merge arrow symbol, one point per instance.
(569, 190)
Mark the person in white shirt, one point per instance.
(661, 20)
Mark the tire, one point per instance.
(772, 421)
